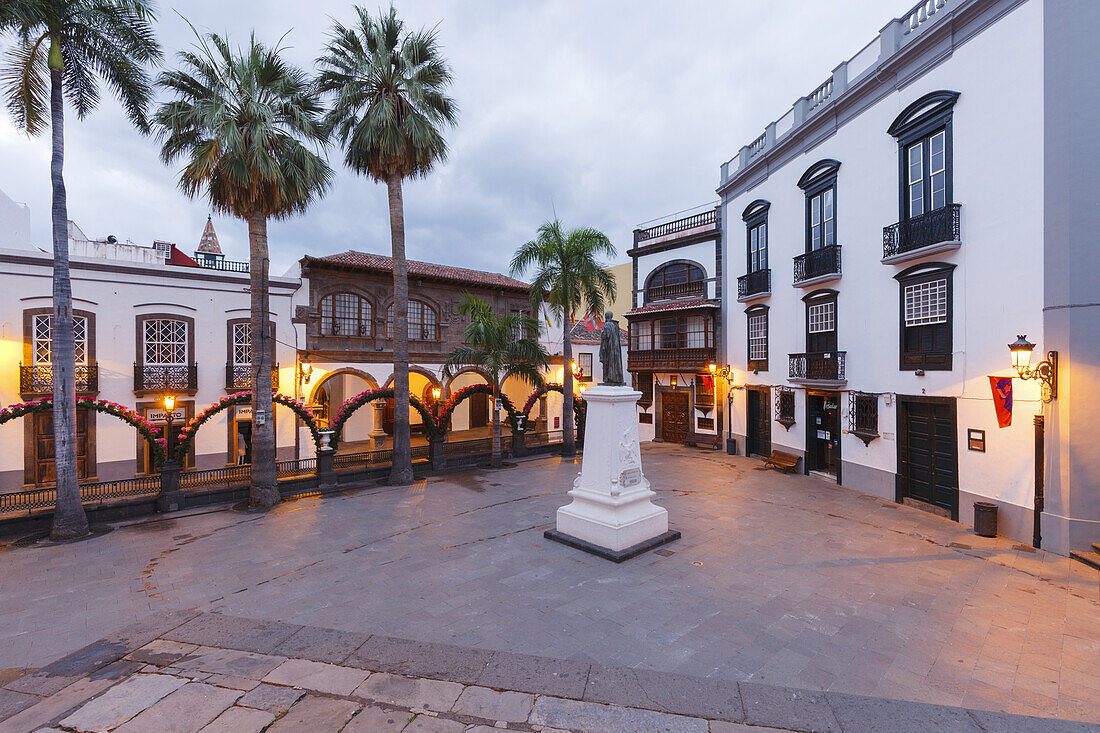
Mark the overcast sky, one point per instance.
(610, 113)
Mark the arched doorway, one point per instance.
(473, 413)
(332, 391)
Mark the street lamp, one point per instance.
(1046, 371)
(724, 373)
(436, 392)
(170, 435)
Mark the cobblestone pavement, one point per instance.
(780, 580)
(189, 672)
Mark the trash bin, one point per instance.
(985, 519)
(731, 446)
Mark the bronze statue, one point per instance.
(611, 352)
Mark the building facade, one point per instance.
(675, 325)
(890, 234)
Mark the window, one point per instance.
(685, 332)
(584, 361)
(42, 348)
(422, 322)
(821, 322)
(345, 314)
(926, 317)
(704, 392)
(242, 343)
(863, 416)
(643, 382)
(784, 406)
(675, 280)
(819, 183)
(923, 132)
(641, 335)
(758, 246)
(165, 342)
(758, 339)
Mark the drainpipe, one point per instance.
(1040, 472)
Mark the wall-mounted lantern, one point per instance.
(1045, 371)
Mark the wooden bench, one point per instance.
(785, 462)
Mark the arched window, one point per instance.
(422, 322)
(345, 314)
(675, 280)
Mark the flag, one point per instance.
(1002, 399)
(708, 382)
(592, 322)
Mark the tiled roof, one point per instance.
(580, 334)
(673, 305)
(382, 263)
(209, 242)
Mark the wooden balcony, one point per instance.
(697, 289)
(657, 360)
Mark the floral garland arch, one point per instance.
(148, 430)
(187, 433)
(447, 408)
(580, 407)
(370, 395)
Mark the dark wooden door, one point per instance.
(479, 409)
(387, 417)
(44, 467)
(823, 432)
(759, 438)
(928, 461)
(674, 417)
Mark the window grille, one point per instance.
(43, 339)
(784, 406)
(863, 415)
(242, 343)
(643, 383)
(704, 392)
(165, 343)
(926, 303)
(822, 317)
(584, 361)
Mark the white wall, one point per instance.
(701, 253)
(998, 179)
(15, 224)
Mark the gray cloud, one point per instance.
(616, 112)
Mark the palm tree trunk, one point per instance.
(69, 519)
(401, 470)
(568, 445)
(495, 460)
(263, 491)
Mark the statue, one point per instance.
(611, 352)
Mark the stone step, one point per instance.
(1089, 558)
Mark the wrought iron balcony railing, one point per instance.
(38, 378)
(823, 365)
(239, 376)
(933, 227)
(817, 263)
(755, 283)
(697, 289)
(175, 378)
(706, 218)
(688, 358)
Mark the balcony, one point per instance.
(825, 368)
(697, 289)
(238, 377)
(936, 231)
(223, 265)
(817, 266)
(754, 285)
(705, 219)
(179, 378)
(686, 359)
(38, 379)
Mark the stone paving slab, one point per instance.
(355, 699)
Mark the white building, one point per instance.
(891, 233)
(149, 321)
(675, 325)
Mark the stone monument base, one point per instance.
(612, 514)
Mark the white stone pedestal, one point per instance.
(612, 514)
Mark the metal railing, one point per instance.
(473, 447)
(226, 265)
(239, 376)
(817, 263)
(38, 378)
(678, 290)
(97, 491)
(933, 227)
(823, 365)
(177, 378)
(754, 283)
(213, 478)
(679, 225)
(544, 437)
(671, 358)
(295, 467)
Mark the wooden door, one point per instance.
(759, 438)
(928, 454)
(479, 409)
(674, 416)
(44, 467)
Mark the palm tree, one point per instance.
(567, 273)
(244, 121)
(390, 106)
(64, 50)
(504, 346)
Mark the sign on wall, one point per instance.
(160, 415)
